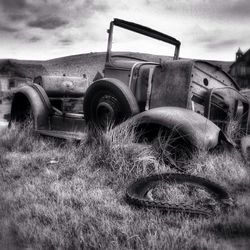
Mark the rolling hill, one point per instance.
(77, 65)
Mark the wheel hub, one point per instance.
(107, 111)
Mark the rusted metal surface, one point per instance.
(195, 128)
(67, 123)
(214, 74)
(67, 135)
(227, 104)
(146, 31)
(175, 82)
(109, 99)
(141, 30)
(35, 96)
(171, 83)
(63, 86)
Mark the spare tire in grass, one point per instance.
(137, 191)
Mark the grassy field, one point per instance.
(63, 195)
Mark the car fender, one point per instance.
(195, 128)
(39, 102)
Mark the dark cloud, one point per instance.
(66, 41)
(220, 10)
(237, 9)
(41, 13)
(13, 5)
(17, 16)
(222, 44)
(34, 39)
(97, 6)
(7, 29)
(48, 23)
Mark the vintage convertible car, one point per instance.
(192, 97)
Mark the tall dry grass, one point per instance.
(67, 195)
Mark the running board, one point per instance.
(78, 136)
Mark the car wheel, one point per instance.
(108, 103)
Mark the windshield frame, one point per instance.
(137, 28)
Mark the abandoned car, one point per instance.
(195, 98)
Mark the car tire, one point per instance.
(108, 102)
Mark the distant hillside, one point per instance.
(77, 65)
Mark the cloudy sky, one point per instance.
(44, 29)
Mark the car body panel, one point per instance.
(63, 86)
(195, 128)
(39, 102)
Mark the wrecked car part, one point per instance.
(31, 99)
(175, 90)
(192, 127)
(225, 105)
(137, 191)
(109, 102)
(137, 28)
(62, 86)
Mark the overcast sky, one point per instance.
(44, 29)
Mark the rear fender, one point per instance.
(194, 128)
(35, 96)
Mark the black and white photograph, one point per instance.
(124, 124)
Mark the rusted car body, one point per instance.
(193, 97)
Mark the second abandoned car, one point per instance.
(192, 97)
